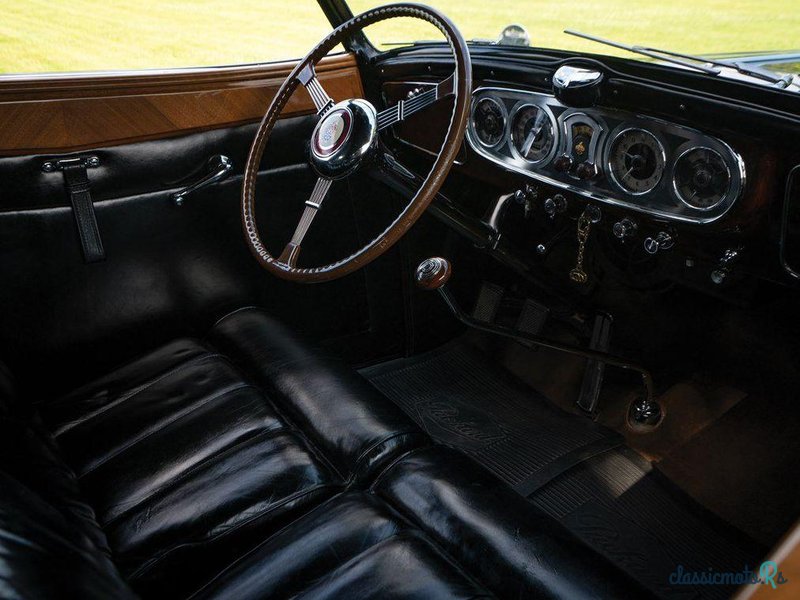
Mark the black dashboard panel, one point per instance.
(735, 141)
(614, 157)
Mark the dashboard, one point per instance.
(685, 178)
(632, 161)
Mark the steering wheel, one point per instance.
(347, 135)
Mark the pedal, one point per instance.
(488, 302)
(595, 369)
(532, 318)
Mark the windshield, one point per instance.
(707, 27)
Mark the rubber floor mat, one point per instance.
(462, 401)
(612, 499)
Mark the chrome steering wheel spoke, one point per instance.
(346, 136)
(319, 96)
(313, 204)
(406, 108)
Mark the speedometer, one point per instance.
(532, 133)
(636, 161)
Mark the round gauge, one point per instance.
(702, 178)
(532, 133)
(489, 121)
(636, 161)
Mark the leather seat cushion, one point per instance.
(50, 543)
(29, 456)
(354, 546)
(186, 459)
(246, 466)
(43, 555)
(357, 428)
(435, 525)
(500, 538)
(178, 453)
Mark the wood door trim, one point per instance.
(49, 114)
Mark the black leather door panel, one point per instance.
(172, 270)
(148, 166)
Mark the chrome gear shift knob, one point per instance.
(432, 273)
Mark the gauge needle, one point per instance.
(534, 133)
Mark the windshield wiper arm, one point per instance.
(649, 52)
(674, 58)
(759, 74)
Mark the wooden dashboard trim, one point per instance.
(48, 114)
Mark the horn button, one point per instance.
(343, 138)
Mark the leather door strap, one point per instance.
(77, 182)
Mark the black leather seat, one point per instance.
(200, 449)
(251, 467)
(433, 525)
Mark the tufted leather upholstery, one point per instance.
(247, 466)
(434, 525)
(358, 430)
(188, 457)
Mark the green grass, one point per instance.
(703, 26)
(77, 35)
(70, 35)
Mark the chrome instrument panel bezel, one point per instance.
(662, 201)
(614, 137)
(599, 132)
(683, 152)
(554, 127)
(503, 110)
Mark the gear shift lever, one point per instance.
(433, 274)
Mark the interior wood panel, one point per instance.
(45, 114)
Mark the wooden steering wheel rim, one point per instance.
(429, 188)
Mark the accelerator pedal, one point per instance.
(488, 302)
(595, 369)
(531, 320)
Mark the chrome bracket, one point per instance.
(88, 162)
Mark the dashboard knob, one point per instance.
(624, 229)
(586, 171)
(662, 241)
(730, 256)
(433, 273)
(718, 276)
(555, 205)
(563, 163)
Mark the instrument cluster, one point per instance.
(641, 163)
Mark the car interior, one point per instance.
(452, 320)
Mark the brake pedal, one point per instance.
(532, 317)
(595, 369)
(488, 302)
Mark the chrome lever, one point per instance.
(219, 167)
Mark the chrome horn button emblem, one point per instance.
(333, 131)
(343, 138)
